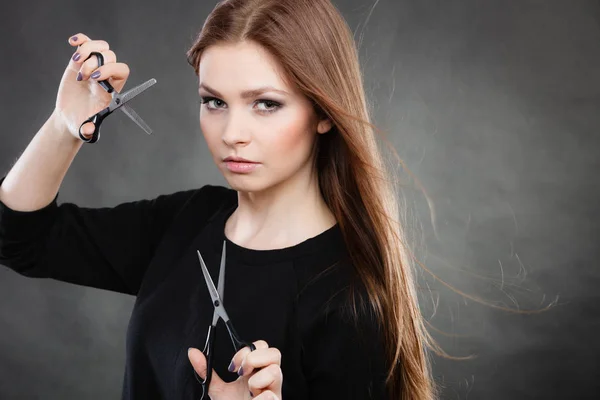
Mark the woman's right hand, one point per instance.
(80, 96)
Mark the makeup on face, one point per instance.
(241, 167)
(257, 127)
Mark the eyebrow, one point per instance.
(245, 94)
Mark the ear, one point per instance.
(324, 126)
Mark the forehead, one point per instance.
(231, 67)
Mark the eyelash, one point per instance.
(276, 105)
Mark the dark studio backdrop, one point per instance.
(494, 105)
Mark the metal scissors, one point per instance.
(217, 300)
(118, 101)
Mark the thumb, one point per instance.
(87, 129)
(198, 361)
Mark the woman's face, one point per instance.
(274, 127)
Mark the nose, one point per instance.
(236, 132)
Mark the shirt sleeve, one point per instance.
(106, 248)
(343, 359)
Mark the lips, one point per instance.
(240, 167)
(238, 159)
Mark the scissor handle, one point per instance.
(98, 117)
(107, 86)
(208, 352)
(238, 344)
(95, 119)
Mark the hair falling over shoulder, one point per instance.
(317, 51)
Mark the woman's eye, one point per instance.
(270, 105)
(205, 100)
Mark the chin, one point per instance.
(245, 183)
(252, 183)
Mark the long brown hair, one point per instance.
(316, 49)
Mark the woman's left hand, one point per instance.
(261, 377)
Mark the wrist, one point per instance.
(60, 127)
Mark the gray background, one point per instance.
(493, 104)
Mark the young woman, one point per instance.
(318, 274)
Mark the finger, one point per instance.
(115, 73)
(198, 361)
(260, 358)
(88, 129)
(238, 358)
(90, 66)
(269, 378)
(268, 395)
(78, 39)
(86, 48)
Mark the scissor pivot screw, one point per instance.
(118, 101)
(217, 303)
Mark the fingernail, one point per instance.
(74, 39)
(95, 75)
(79, 76)
(251, 395)
(76, 56)
(241, 371)
(231, 367)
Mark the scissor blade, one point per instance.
(119, 99)
(209, 282)
(131, 93)
(221, 284)
(213, 291)
(136, 118)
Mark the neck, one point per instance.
(282, 216)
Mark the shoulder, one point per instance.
(207, 193)
(213, 197)
(204, 200)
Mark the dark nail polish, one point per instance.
(251, 395)
(240, 371)
(76, 57)
(231, 367)
(95, 75)
(79, 76)
(74, 39)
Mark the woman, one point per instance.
(317, 268)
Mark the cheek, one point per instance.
(293, 140)
(210, 134)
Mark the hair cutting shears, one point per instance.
(118, 101)
(217, 300)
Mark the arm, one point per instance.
(35, 178)
(107, 248)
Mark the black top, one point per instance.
(147, 248)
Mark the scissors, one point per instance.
(118, 101)
(217, 300)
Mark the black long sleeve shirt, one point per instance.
(288, 297)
